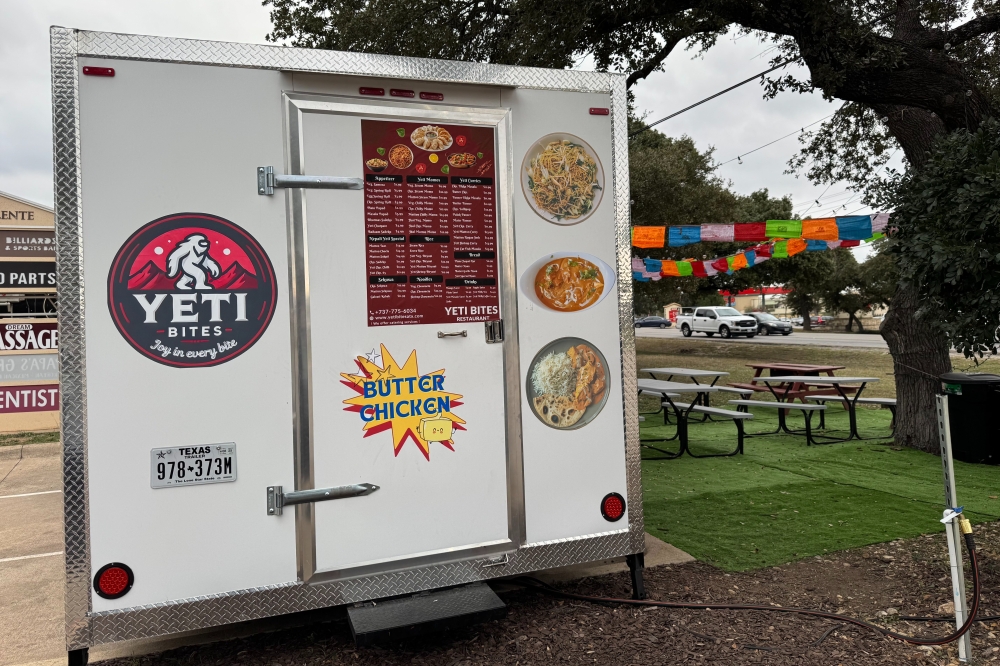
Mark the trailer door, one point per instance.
(400, 378)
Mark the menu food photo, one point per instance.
(430, 223)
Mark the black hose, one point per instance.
(534, 583)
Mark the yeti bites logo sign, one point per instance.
(191, 290)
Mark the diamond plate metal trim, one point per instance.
(214, 610)
(623, 228)
(261, 56)
(84, 628)
(72, 351)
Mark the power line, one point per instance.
(801, 129)
(711, 97)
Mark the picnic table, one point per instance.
(694, 375)
(801, 375)
(786, 383)
(669, 390)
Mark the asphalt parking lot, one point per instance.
(799, 337)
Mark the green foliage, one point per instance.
(948, 238)
(673, 183)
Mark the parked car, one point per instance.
(727, 322)
(653, 322)
(768, 324)
(817, 320)
(796, 321)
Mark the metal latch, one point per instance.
(267, 180)
(494, 331)
(277, 500)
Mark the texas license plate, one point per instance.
(192, 465)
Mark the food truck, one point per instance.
(335, 327)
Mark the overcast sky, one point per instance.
(733, 124)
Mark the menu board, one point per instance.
(430, 223)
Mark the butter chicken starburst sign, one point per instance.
(399, 398)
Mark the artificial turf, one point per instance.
(782, 500)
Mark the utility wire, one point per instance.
(798, 131)
(711, 97)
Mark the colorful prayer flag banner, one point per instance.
(717, 233)
(830, 229)
(684, 235)
(648, 236)
(783, 229)
(820, 229)
(855, 227)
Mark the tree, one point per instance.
(673, 183)
(950, 245)
(911, 70)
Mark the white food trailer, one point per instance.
(335, 327)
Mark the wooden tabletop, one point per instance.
(685, 372)
(796, 367)
(675, 387)
(816, 380)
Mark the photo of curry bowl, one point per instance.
(567, 383)
(567, 281)
(376, 164)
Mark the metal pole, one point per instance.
(952, 528)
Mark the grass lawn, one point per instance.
(19, 438)
(783, 500)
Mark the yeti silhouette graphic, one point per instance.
(191, 290)
(191, 258)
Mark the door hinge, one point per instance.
(494, 331)
(277, 499)
(267, 180)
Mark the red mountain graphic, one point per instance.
(234, 277)
(154, 278)
(151, 278)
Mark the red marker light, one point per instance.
(396, 92)
(598, 111)
(435, 97)
(98, 71)
(613, 507)
(113, 580)
(375, 92)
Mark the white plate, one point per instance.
(527, 281)
(534, 151)
(430, 150)
(559, 346)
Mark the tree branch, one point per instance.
(655, 61)
(980, 25)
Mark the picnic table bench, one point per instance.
(668, 391)
(800, 374)
(781, 387)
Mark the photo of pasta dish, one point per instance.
(563, 180)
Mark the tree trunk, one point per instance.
(851, 318)
(919, 357)
(806, 321)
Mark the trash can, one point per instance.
(973, 406)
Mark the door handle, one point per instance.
(455, 334)
(267, 180)
(277, 499)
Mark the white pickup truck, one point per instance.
(725, 321)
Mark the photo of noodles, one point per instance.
(567, 383)
(564, 180)
(400, 156)
(569, 284)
